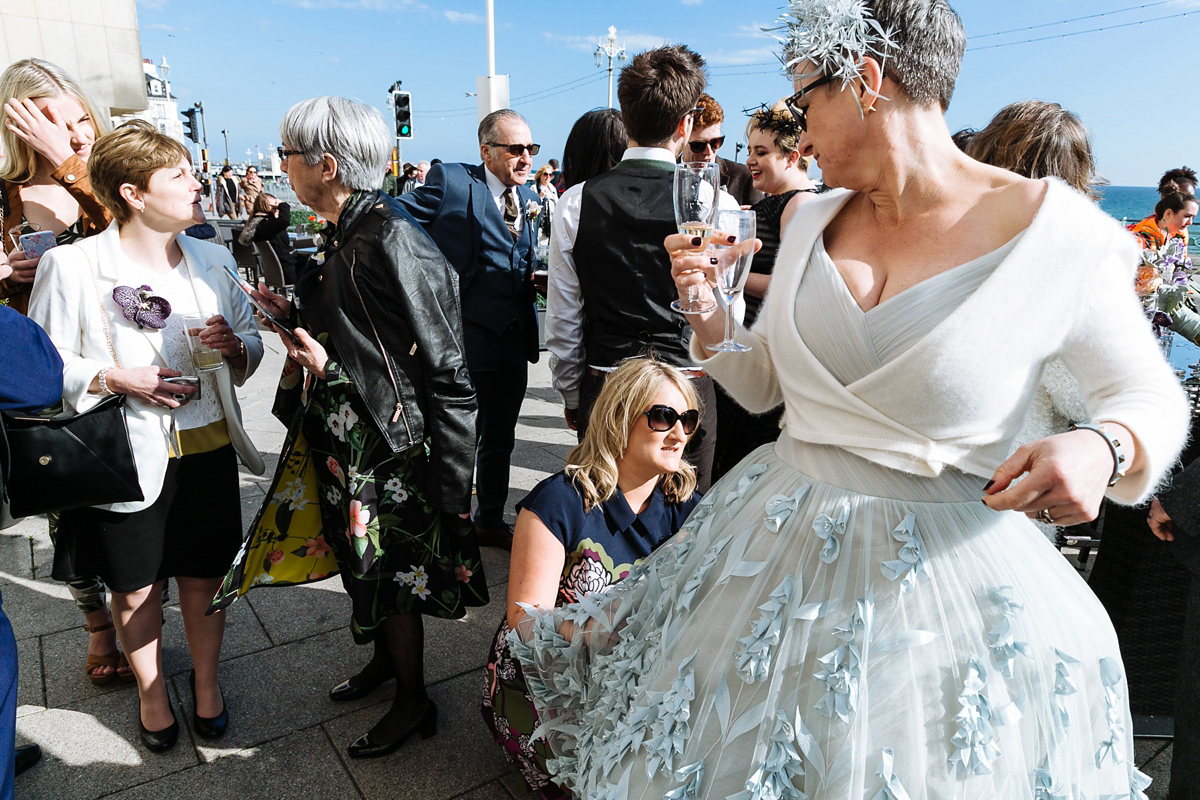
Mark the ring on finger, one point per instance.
(179, 398)
(1044, 516)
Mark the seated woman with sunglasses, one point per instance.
(626, 490)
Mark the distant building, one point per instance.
(96, 41)
(163, 109)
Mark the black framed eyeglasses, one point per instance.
(283, 154)
(699, 145)
(801, 114)
(663, 418)
(516, 149)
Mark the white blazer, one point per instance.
(64, 302)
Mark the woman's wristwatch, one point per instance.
(241, 349)
(1114, 445)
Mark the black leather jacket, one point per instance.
(390, 304)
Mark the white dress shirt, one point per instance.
(564, 304)
(498, 189)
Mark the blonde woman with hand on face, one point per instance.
(47, 127)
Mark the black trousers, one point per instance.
(499, 369)
(702, 444)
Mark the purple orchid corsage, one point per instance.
(141, 307)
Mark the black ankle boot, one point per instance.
(366, 747)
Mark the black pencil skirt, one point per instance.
(193, 529)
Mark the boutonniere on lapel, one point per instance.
(532, 209)
(142, 308)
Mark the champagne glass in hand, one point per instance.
(696, 193)
(733, 265)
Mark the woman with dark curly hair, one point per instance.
(625, 490)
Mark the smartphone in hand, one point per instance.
(35, 244)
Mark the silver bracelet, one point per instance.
(1114, 445)
(101, 379)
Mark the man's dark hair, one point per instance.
(656, 89)
(1173, 180)
(595, 145)
(433, 162)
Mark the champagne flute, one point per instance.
(696, 194)
(733, 266)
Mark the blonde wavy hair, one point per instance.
(628, 391)
(31, 78)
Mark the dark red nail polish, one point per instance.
(713, 261)
(985, 505)
(696, 241)
(732, 239)
(988, 485)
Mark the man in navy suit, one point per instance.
(479, 217)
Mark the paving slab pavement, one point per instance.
(284, 647)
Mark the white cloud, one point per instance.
(458, 17)
(632, 42)
(158, 26)
(752, 55)
(357, 5)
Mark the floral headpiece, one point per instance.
(833, 35)
(779, 122)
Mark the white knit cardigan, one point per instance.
(960, 394)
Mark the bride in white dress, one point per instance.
(842, 617)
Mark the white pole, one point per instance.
(491, 38)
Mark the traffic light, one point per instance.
(403, 107)
(190, 129)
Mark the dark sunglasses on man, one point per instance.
(700, 145)
(663, 418)
(515, 150)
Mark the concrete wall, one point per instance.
(96, 41)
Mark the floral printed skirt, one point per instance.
(826, 628)
(510, 715)
(342, 502)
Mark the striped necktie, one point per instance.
(510, 210)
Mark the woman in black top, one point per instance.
(781, 173)
(269, 222)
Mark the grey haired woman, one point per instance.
(841, 617)
(381, 418)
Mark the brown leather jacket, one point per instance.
(72, 175)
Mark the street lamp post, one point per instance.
(225, 133)
(611, 50)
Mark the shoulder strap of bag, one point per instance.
(103, 314)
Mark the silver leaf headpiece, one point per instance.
(833, 36)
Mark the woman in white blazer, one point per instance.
(114, 306)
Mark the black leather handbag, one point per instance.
(54, 464)
(63, 462)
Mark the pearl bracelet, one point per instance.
(1114, 445)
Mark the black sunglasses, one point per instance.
(283, 154)
(663, 418)
(801, 114)
(516, 149)
(699, 145)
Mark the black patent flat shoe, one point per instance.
(365, 747)
(159, 741)
(26, 757)
(209, 727)
(355, 687)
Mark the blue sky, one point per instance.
(249, 60)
